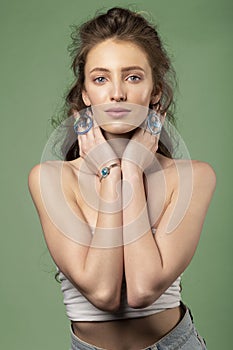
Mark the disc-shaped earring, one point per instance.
(83, 124)
(154, 124)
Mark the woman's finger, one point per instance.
(80, 145)
(98, 134)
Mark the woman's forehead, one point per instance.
(116, 53)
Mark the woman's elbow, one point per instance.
(139, 298)
(106, 300)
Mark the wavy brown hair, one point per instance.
(126, 25)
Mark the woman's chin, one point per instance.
(118, 128)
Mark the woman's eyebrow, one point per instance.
(99, 69)
(124, 69)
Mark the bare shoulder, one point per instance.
(190, 185)
(50, 173)
(192, 175)
(204, 173)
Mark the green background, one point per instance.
(34, 76)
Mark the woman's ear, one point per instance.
(155, 97)
(85, 98)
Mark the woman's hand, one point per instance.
(95, 150)
(141, 149)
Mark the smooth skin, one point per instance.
(118, 72)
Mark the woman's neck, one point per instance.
(118, 142)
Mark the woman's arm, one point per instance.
(95, 271)
(152, 263)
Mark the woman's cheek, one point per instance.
(98, 96)
(142, 97)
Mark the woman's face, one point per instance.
(118, 85)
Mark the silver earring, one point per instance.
(153, 123)
(83, 124)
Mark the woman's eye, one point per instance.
(134, 78)
(100, 80)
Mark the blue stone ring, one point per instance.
(106, 170)
(154, 123)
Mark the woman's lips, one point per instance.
(117, 112)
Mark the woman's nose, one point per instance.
(118, 92)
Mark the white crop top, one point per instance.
(78, 308)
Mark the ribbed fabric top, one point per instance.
(78, 308)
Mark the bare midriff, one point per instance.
(129, 334)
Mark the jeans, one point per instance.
(184, 336)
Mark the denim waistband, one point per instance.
(175, 339)
(179, 335)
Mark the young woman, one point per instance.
(121, 217)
